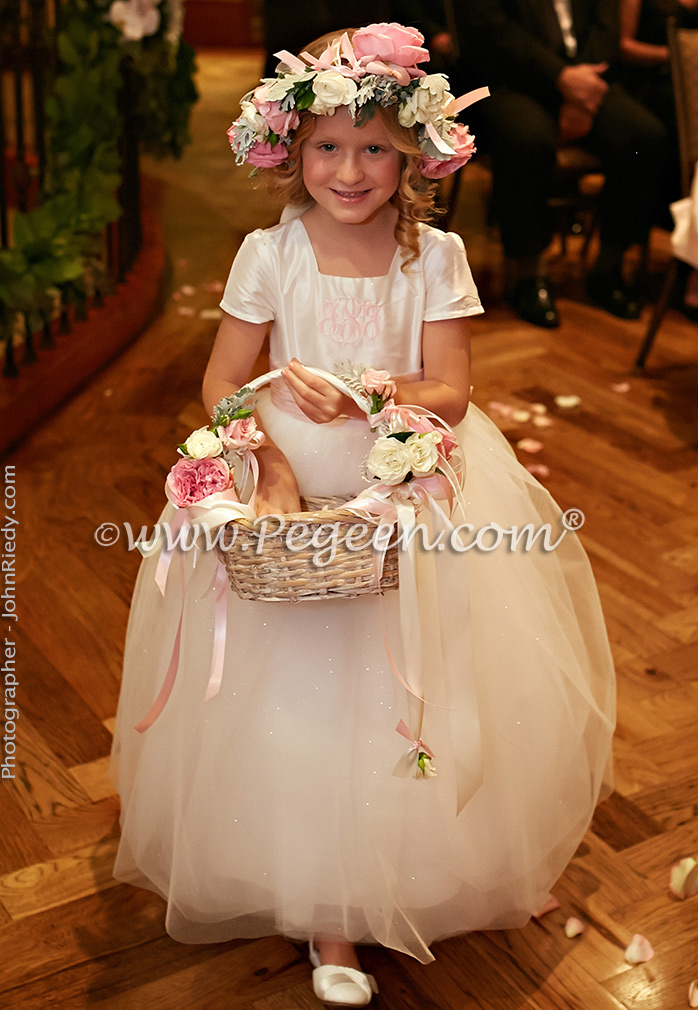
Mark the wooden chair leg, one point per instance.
(658, 314)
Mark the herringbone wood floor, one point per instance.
(70, 936)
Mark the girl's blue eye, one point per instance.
(374, 149)
(327, 147)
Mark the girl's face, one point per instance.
(350, 172)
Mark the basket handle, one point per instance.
(338, 383)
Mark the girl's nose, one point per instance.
(349, 170)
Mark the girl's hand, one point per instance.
(318, 400)
(277, 488)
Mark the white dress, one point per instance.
(273, 807)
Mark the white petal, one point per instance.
(693, 994)
(550, 906)
(681, 875)
(521, 415)
(574, 927)
(539, 408)
(639, 950)
(565, 402)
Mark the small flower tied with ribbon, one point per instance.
(209, 454)
(376, 68)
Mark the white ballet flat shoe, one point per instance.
(336, 985)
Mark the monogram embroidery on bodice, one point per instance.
(348, 320)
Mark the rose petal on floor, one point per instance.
(620, 387)
(521, 416)
(188, 290)
(566, 402)
(684, 878)
(186, 310)
(211, 314)
(542, 421)
(214, 287)
(500, 408)
(639, 950)
(539, 408)
(529, 445)
(574, 927)
(176, 295)
(693, 994)
(551, 905)
(538, 469)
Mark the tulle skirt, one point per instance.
(273, 807)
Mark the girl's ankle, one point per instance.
(339, 952)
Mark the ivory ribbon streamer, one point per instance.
(208, 514)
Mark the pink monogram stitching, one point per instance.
(349, 321)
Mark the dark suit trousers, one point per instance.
(520, 133)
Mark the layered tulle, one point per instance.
(273, 807)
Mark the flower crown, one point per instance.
(376, 68)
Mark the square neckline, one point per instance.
(344, 277)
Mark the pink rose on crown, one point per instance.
(190, 480)
(241, 434)
(390, 49)
(463, 144)
(263, 155)
(279, 122)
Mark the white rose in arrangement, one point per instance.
(426, 102)
(332, 89)
(389, 460)
(250, 114)
(203, 444)
(425, 768)
(423, 453)
(279, 88)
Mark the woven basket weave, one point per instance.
(277, 573)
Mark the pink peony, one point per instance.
(263, 155)
(281, 123)
(463, 144)
(241, 434)
(378, 382)
(389, 43)
(190, 480)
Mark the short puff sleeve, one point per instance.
(450, 288)
(251, 286)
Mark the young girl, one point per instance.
(273, 807)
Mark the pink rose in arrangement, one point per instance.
(390, 43)
(279, 122)
(378, 382)
(241, 434)
(263, 155)
(462, 142)
(190, 480)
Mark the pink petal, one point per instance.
(683, 881)
(176, 295)
(182, 263)
(542, 421)
(186, 310)
(693, 994)
(529, 445)
(188, 290)
(500, 408)
(620, 387)
(639, 950)
(214, 287)
(211, 314)
(566, 402)
(538, 469)
(574, 927)
(551, 905)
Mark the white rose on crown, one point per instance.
(424, 455)
(250, 115)
(389, 460)
(202, 444)
(426, 102)
(332, 89)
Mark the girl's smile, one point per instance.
(350, 172)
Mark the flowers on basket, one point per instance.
(209, 454)
(412, 446)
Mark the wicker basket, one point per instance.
(274, 572)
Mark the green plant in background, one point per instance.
(103, 74)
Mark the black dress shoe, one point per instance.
(611, 293)
(532, 300)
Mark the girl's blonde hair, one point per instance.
(415, 195)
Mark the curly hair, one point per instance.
(415, 195)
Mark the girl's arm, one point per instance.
(445, 388)
(631, 49)
(234, 352)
